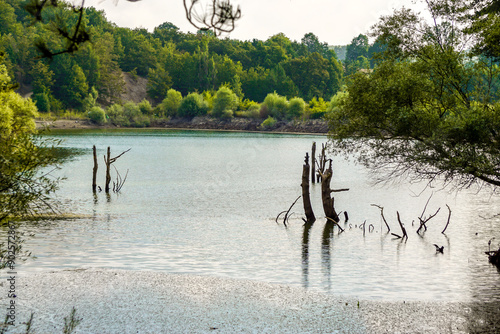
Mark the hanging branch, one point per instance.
(449, 216)
(383, 217)
(74, 38)
(219, 16)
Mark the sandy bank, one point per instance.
(113, 301)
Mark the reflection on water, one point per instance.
(204, 203)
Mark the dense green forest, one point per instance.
(187, 74)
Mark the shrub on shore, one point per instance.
(192, 105)
(97, 115)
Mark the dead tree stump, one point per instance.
(313, 162)
(108, 161)
(310, 218)
(94, 171)
(326, 194)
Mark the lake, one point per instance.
(205, 203)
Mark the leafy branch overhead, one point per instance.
(219, 16)
(429, 110)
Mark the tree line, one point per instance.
(91, 77)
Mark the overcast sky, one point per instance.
(333, 21)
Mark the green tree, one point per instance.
(70, 83)
(357, 55)
(97, 115)
(23, 190)
(42, 81)
(171, 103)
(314, 75)
(275, 105)
(426, 111)
(110, 84)
(225, 103)
(296, 107)
(192, 105)
(312, 44)
(159, 82)
(358, 47)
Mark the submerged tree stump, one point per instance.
(326, 194)
(94, 171)
(310, 218)
(108, 161)
(313, 162)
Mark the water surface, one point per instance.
(205, 203)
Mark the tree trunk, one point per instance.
(108, 165)
(326, 195)
(313, 163)
(94, 171)
(310, 218)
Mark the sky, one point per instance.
(335, 22)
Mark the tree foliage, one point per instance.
(428, 110)
(23, 190)
(225, 103)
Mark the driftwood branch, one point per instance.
(286, 212)
(383, 217)
(119, 181)
(448, 221)
(335, 223)
(339, 190)
(108, 161)
(424, 221)
(405, 235)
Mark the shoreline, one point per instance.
(308, 127)
(121, 301)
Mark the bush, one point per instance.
(316, 108)
(336, 102)
(170, 105)
(140, 121)
(131, 110)
(253, 111)
(268, 123)
(97, 115)
(192, 105)
(145, 107)
(42, 102)
(277, 106)
(225, 102)
(246, 104)
(208, 96)
(296, 107)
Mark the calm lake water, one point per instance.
(205, 203)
